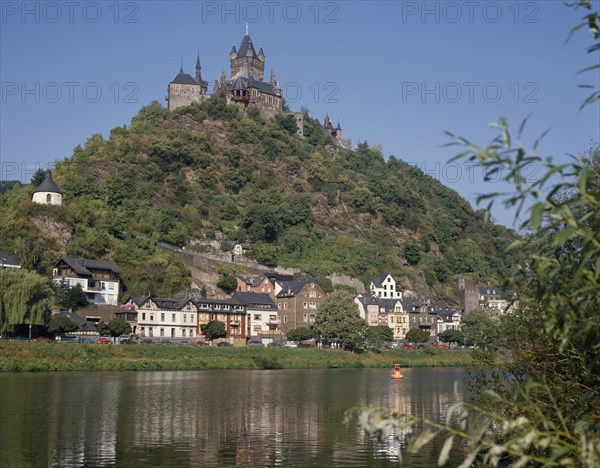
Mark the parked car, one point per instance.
(255, 344)
(86, 339)
(104, 341)
(224, 343)
(291, 344)
(275, 344)
(167, 342)
(147, 341)
(184, 342)
(127, 341)
(406, 346)
(43, 339)
(201, 343)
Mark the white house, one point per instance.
(384, 285)
(99, 279)
(165, 318)
(47, 192)
(448, 320)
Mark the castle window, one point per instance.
(48, 198)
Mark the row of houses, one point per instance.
(264, 307)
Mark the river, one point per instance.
(212, 418)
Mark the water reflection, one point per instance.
(210, 418)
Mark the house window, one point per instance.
(285, 306)
(184, 318)
(142, 330)
(191, 317)
(162, 332)
(183, 332)
(151, 317)
(305, 316)
(191, 332)
(162, 317)
(256, 316)
(306, 305)
(172, 317)
(172, 333)
(144, 316)
(312, 305)
(48, 198)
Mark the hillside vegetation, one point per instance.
(211, 168)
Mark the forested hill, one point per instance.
(210, 169)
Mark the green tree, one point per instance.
(416, 336)
(116, 327)
(338, 319)
(452, 336)
(300, 334)
(477, 326)
(227, 283)
(70, 297)
(378, 335)
(60, 325)
(25, 299)
(262, 223)
(38, 177)
(412, 254)
(213, 330)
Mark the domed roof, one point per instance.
(48, 185)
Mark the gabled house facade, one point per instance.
(232, 313)
(384, 312)
(162, 317)
(422, 316)
(262, 320)
(298, 303)
(448, 319)
(256, 284)
(385, 286)
(99, 279)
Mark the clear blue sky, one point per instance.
(395, 74)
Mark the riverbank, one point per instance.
(32, 357)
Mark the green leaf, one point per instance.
(537, 211)
(564, 235)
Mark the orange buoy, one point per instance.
(397, 375)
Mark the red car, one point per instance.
(104, 341)
(406, 346)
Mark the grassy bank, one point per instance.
(29, 356)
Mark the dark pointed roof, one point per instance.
(250, 299)
(378, 280)
(260, 52)
(245, 46)
(233, 50)
(48, 185)
(198, 61)
(184, 78)
(292, 288)
(81, 265)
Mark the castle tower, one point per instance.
(246, 55)
(47, 192)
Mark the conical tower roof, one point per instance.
(48, 185)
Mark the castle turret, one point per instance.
(47, 192)
(246, 55)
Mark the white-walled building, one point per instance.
(384, 285)
(47, 192)
(99, 279)
(165, 318)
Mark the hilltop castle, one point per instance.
(246, 87)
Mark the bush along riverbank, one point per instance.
(31, 356)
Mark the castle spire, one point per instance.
(246, 29)
(198, 68)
